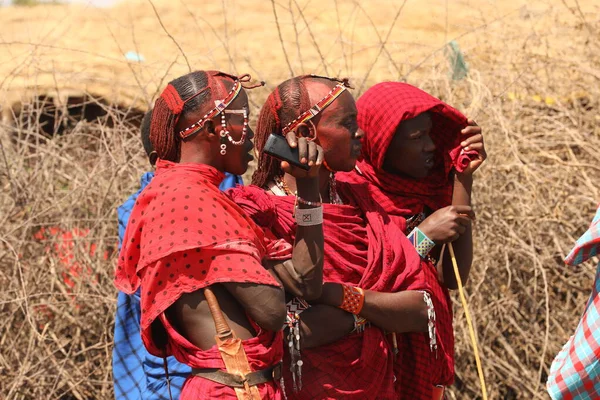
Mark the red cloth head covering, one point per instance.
(363, 248)
(184, 235)
(380, 110)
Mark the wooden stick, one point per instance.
(463, 299)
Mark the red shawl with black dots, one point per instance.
(184, 235)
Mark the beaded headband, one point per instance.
(316, 109)
(220, 105)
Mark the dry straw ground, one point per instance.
(533, 85)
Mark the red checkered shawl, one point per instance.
(380, 110)
(363, 248)
(184, 235)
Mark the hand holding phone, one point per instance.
(300, 157)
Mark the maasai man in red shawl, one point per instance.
(337, 347)
(198, 258)
(419, 157)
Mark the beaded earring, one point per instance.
(224, 133)
(244, 129)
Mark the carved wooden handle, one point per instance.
(221, 324)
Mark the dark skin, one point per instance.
(411, 154)
(324, 322)
(265, 304)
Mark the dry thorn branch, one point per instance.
(164, 28)
(287, 60)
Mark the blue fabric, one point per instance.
(137, 374)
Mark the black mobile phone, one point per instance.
(278, 147)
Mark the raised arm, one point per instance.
(302, 275)
(461, 196)
(463, 246)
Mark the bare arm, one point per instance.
(399, 312)
(461, 196)
(463, 246)
(265, 304)
(302, 275)
(322, 324)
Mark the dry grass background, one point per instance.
(533, 86)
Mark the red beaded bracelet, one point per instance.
(353, 300)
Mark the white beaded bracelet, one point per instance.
(309, 216)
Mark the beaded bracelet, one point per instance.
(421, 242)
(353, 299)
(294, 308)
(359, 324)
(308, 203)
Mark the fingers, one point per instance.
(475, 146)
(463, 221)
(477, 138)
(464, 210)
(471, 130)
(320, 155)
(312, 153)
(291, 139)
(302, 149)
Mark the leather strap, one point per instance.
(236, 381)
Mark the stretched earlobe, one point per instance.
(153, 157)
(210, 127)
(307, 130)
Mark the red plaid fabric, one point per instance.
(362, 248)
(380, 110)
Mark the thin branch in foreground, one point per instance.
(312, 36)
(287, 60)
(170, 36)
(381, 48)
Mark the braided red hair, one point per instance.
(283, 105)
(199, 89)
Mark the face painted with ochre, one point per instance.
(411, 151)
(337, 129)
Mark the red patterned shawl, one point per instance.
(362, 247)
(184, 235)
(380, 111)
